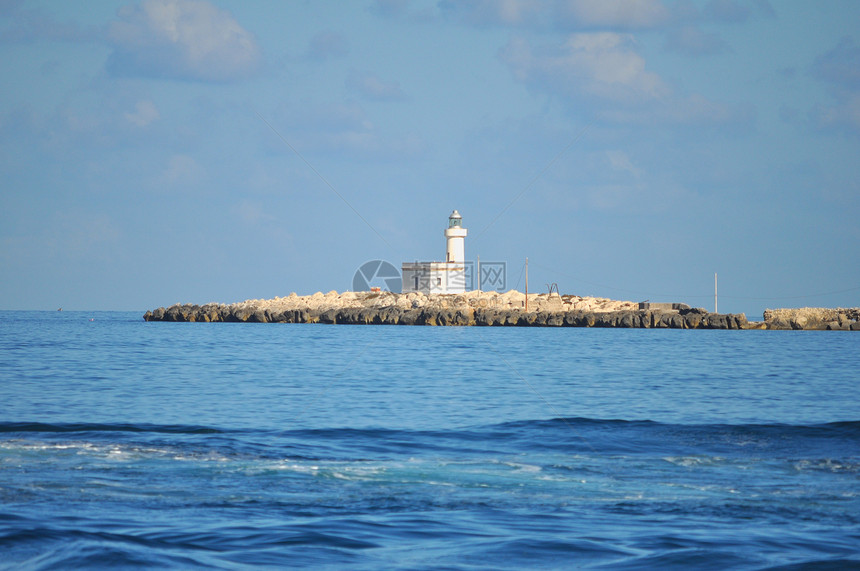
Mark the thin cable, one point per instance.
(522, 269)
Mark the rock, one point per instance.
(329, 316)
(174, 313)
(809, 317)
(694, 311)
(276, 316)
(155, 315)
(526, 319)
(554, 319)
(411, 317)
(241, 314)
(661, 319)
(258, 316)
(693, 320)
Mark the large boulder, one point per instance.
(693, 320)
(155, 314)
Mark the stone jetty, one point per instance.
(471, 308)
(819, 318)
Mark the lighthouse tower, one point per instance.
(450, 276)
(455, 234)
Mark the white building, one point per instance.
(441, 277)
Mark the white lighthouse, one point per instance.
(441, 277)
(455, 234)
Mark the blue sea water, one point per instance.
(126, 444)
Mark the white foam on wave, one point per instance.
(112, 451)
(693, 461)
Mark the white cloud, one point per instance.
(371, 86)
(144, 113)
(187, 39)
(182, 170)
(566, 14)
(495, 12)
(604, 72)
(625, 14)
(619, 161)
(253, 213)
(602, 65)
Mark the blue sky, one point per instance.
(191, 151)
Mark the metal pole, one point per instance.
(527, 284)
(715, 293)
(479, 273)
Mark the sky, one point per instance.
(193, 151)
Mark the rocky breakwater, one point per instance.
(471, 308)
(815, 318)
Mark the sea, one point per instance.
(128, 445)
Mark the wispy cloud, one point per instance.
(183, 39)
(600, 64)
(606, 71)
(182, 171)
(618, 14)
(371, 86)
(145, 112)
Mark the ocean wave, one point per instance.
(834, 446)
(847, 428)
(843, 428)
(25, 427)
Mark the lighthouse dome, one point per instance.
(455, 220)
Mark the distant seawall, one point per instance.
(470, 309)
(815, 318)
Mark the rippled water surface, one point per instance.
(132, 444)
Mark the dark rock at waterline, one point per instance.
(462, 316)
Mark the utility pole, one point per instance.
(715, 293)
(527, 284)
(479, 273)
